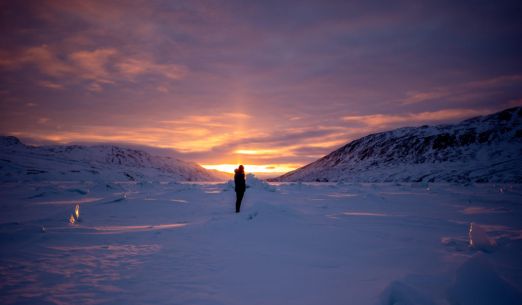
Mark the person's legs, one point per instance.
(239, 197)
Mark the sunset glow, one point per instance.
(252, 168)
(255, 151)
(202, 83)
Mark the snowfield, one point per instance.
(180, 243)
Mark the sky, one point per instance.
(273, 85)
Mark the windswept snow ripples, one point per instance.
(70, 274)
(129, 229)
(365, 214)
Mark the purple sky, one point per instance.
(273, 83)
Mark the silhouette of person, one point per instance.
(240, 185)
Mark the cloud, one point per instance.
(41, 56)
(465, 91)
(94, 87)
(256, 151)
(131, 67)
(93, 65)
(212, 139)
(382, 120)
(515, 102)
(99, 66)
(50, 85)
(225, 120)
(311, 151)
(238, 115)
(43, 120)
(289, 136)
(217, 138)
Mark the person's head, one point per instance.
(241, 169)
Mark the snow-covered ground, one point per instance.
(175, 243)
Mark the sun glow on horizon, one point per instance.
(251, 168)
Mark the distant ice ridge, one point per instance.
(481, 149)
(19, 162)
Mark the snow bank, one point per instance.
(477, 283)
(253, 182)
(399, 293)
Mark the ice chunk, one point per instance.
(77, 212)
(478, 238)
(76, 215)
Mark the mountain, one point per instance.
(481, 149)
(20, 162)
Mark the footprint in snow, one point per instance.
(252, 215)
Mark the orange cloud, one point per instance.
(94, 64)
(223, 120)
(101, 65)
(42, 56)
(417, 97)
(378, 120)
(131, 67)
(195, 134)
(216, 141)
(257, 151)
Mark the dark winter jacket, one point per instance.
(239, 180)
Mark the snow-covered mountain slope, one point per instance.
(19, 162)
(481, 149)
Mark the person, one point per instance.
(240, 186)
